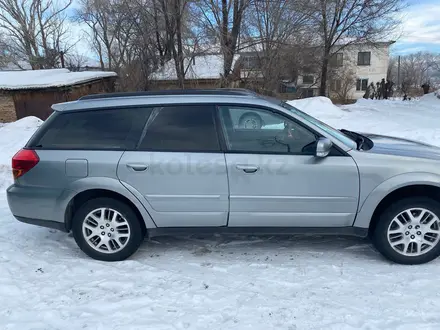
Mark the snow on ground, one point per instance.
(217, 282)
(417, 120)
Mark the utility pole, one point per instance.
(398, 73)
(62, 59)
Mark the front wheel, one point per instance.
(107, 229)
(408, 231)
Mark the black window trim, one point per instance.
(337, 150)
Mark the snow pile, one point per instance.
(13, 137)
(33, 79)
(417, 120)
(319, 106)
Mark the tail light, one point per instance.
(23, 162)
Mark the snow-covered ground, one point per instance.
(216, 282)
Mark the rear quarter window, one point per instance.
(96, 129)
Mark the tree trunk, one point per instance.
(181, 72)
(324, 72)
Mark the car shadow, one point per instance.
(258, 245)
(246, 247)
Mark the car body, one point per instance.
(176, 163)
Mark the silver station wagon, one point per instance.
(115, 168)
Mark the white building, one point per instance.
(351, 70)
(368, 63)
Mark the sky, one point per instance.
(420, 28)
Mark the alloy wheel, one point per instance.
(414, 232)
(106, 230)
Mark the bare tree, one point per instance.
(75, 61)
(342, 82)
(222, 20)
(341, 23)
(173, 13)
(111, 26)
(272, 27)
(415, 69)
(36, 30)
(134, 37)
(5, 57)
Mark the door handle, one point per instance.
(248, 168)
(138, 167)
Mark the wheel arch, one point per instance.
(393, 189)
(85, 189)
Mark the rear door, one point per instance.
(179, 168)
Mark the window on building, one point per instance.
(308, 79)
(335, 85)
(307, 69)
(364, 58)
(251, 63)
(361, 84)
(337, 60)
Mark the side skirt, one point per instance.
(185, 231)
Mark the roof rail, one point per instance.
(215, 91)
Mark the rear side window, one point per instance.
(181, 128)
(97, 129)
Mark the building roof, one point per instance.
(39, 79)
(18, 66)
(199, 67)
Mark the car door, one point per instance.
(276, 180)
(179, 168)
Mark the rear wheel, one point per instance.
(408, 231)
(107, 229)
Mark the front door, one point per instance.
(179, 169)
(275, 179)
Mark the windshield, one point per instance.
(328, 129)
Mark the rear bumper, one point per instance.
(43, 223)
(34, 206)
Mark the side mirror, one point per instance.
(323, 147)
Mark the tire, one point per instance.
(252, 119)
(411, 233)
(124, 228)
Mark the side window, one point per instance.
(95, 129)
(181, 128)
(274, 133)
